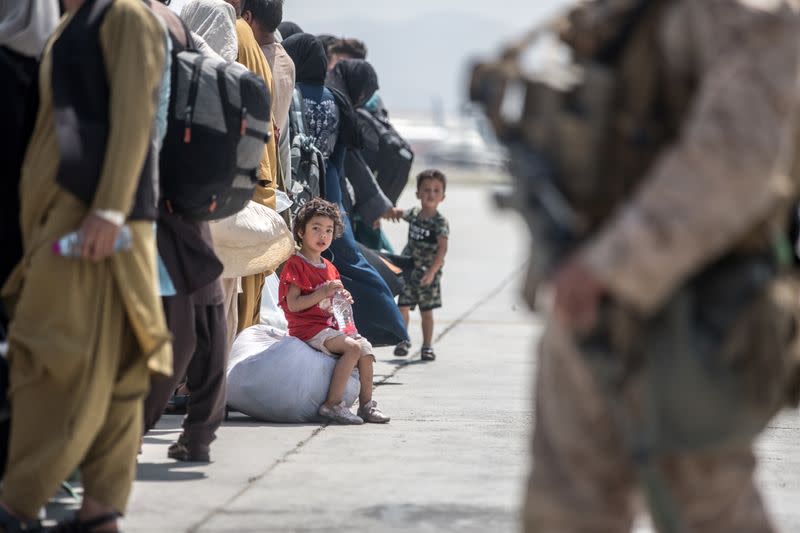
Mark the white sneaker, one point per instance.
(340, 415)
(371, 413)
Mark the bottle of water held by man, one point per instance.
(343, 313)
(70, 244)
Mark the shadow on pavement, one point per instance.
(236, 419)
(168, 472)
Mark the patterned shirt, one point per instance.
(322, 117)
(423, 236)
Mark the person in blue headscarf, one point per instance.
(330, 121)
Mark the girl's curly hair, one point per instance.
(317, 207)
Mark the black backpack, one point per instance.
(308, 163)
(218, 122)
(391, 159)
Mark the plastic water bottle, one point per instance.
(343, 313)
(70, 244)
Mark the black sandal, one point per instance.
(11, 524)
(427, 353)
(76, 525)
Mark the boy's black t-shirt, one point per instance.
(423, 236)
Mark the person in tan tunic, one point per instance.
(251, 56)
(726, 173)
(86, 332)
(244, 309)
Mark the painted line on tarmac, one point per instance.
(220, 509)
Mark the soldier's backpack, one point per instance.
(391, 159)
(218, 122)
(308, 163)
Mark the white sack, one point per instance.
(280, 381)
(271, 313)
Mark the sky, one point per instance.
(421, 49)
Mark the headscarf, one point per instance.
(310, 61)
(288, 29)
(355, 78)
(327, 39)
(25, 25)
(215, 22)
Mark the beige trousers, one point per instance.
(584, 482)
(230, 289)
(76, 402)
(250, 300)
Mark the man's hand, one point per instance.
(427, 279)
(98, 236)
(577, 294)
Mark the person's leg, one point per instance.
(109, 467)
(716, 492)
(402, 347)
(582, 479)
(350, 351)
(427, 327)
(405, 312)
(365, 373)
(250, 300)
(205, 378)
(62, 373)
(231, 306)
(179, 311)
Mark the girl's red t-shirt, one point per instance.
(298, 271)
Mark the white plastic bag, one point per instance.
(280, 380)
(271, 313)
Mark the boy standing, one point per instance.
(428, 231)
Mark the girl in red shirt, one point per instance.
(308, 282)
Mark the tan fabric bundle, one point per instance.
(254, 240)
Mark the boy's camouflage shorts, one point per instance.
(428, 297)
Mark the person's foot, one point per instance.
(402, 348)
(340, 415)
(370, 413)
(102, 523)
(186, 452)
(427, 353)
(10, 523)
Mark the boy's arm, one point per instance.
(297, 302)
(438, 262)
(395, 214)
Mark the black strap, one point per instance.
(190, 44)
(231, 123)
(194, 85)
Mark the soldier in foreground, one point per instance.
(658, 187)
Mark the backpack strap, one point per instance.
(190, 43)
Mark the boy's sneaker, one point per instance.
(427, 353)
(340, 415)
(370, 413)
(402, 348)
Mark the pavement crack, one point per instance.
(463, 317)
(220, 509)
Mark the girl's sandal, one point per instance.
(78, 526)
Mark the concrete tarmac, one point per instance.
(453, 458)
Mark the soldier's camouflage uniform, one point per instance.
(727, 172)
